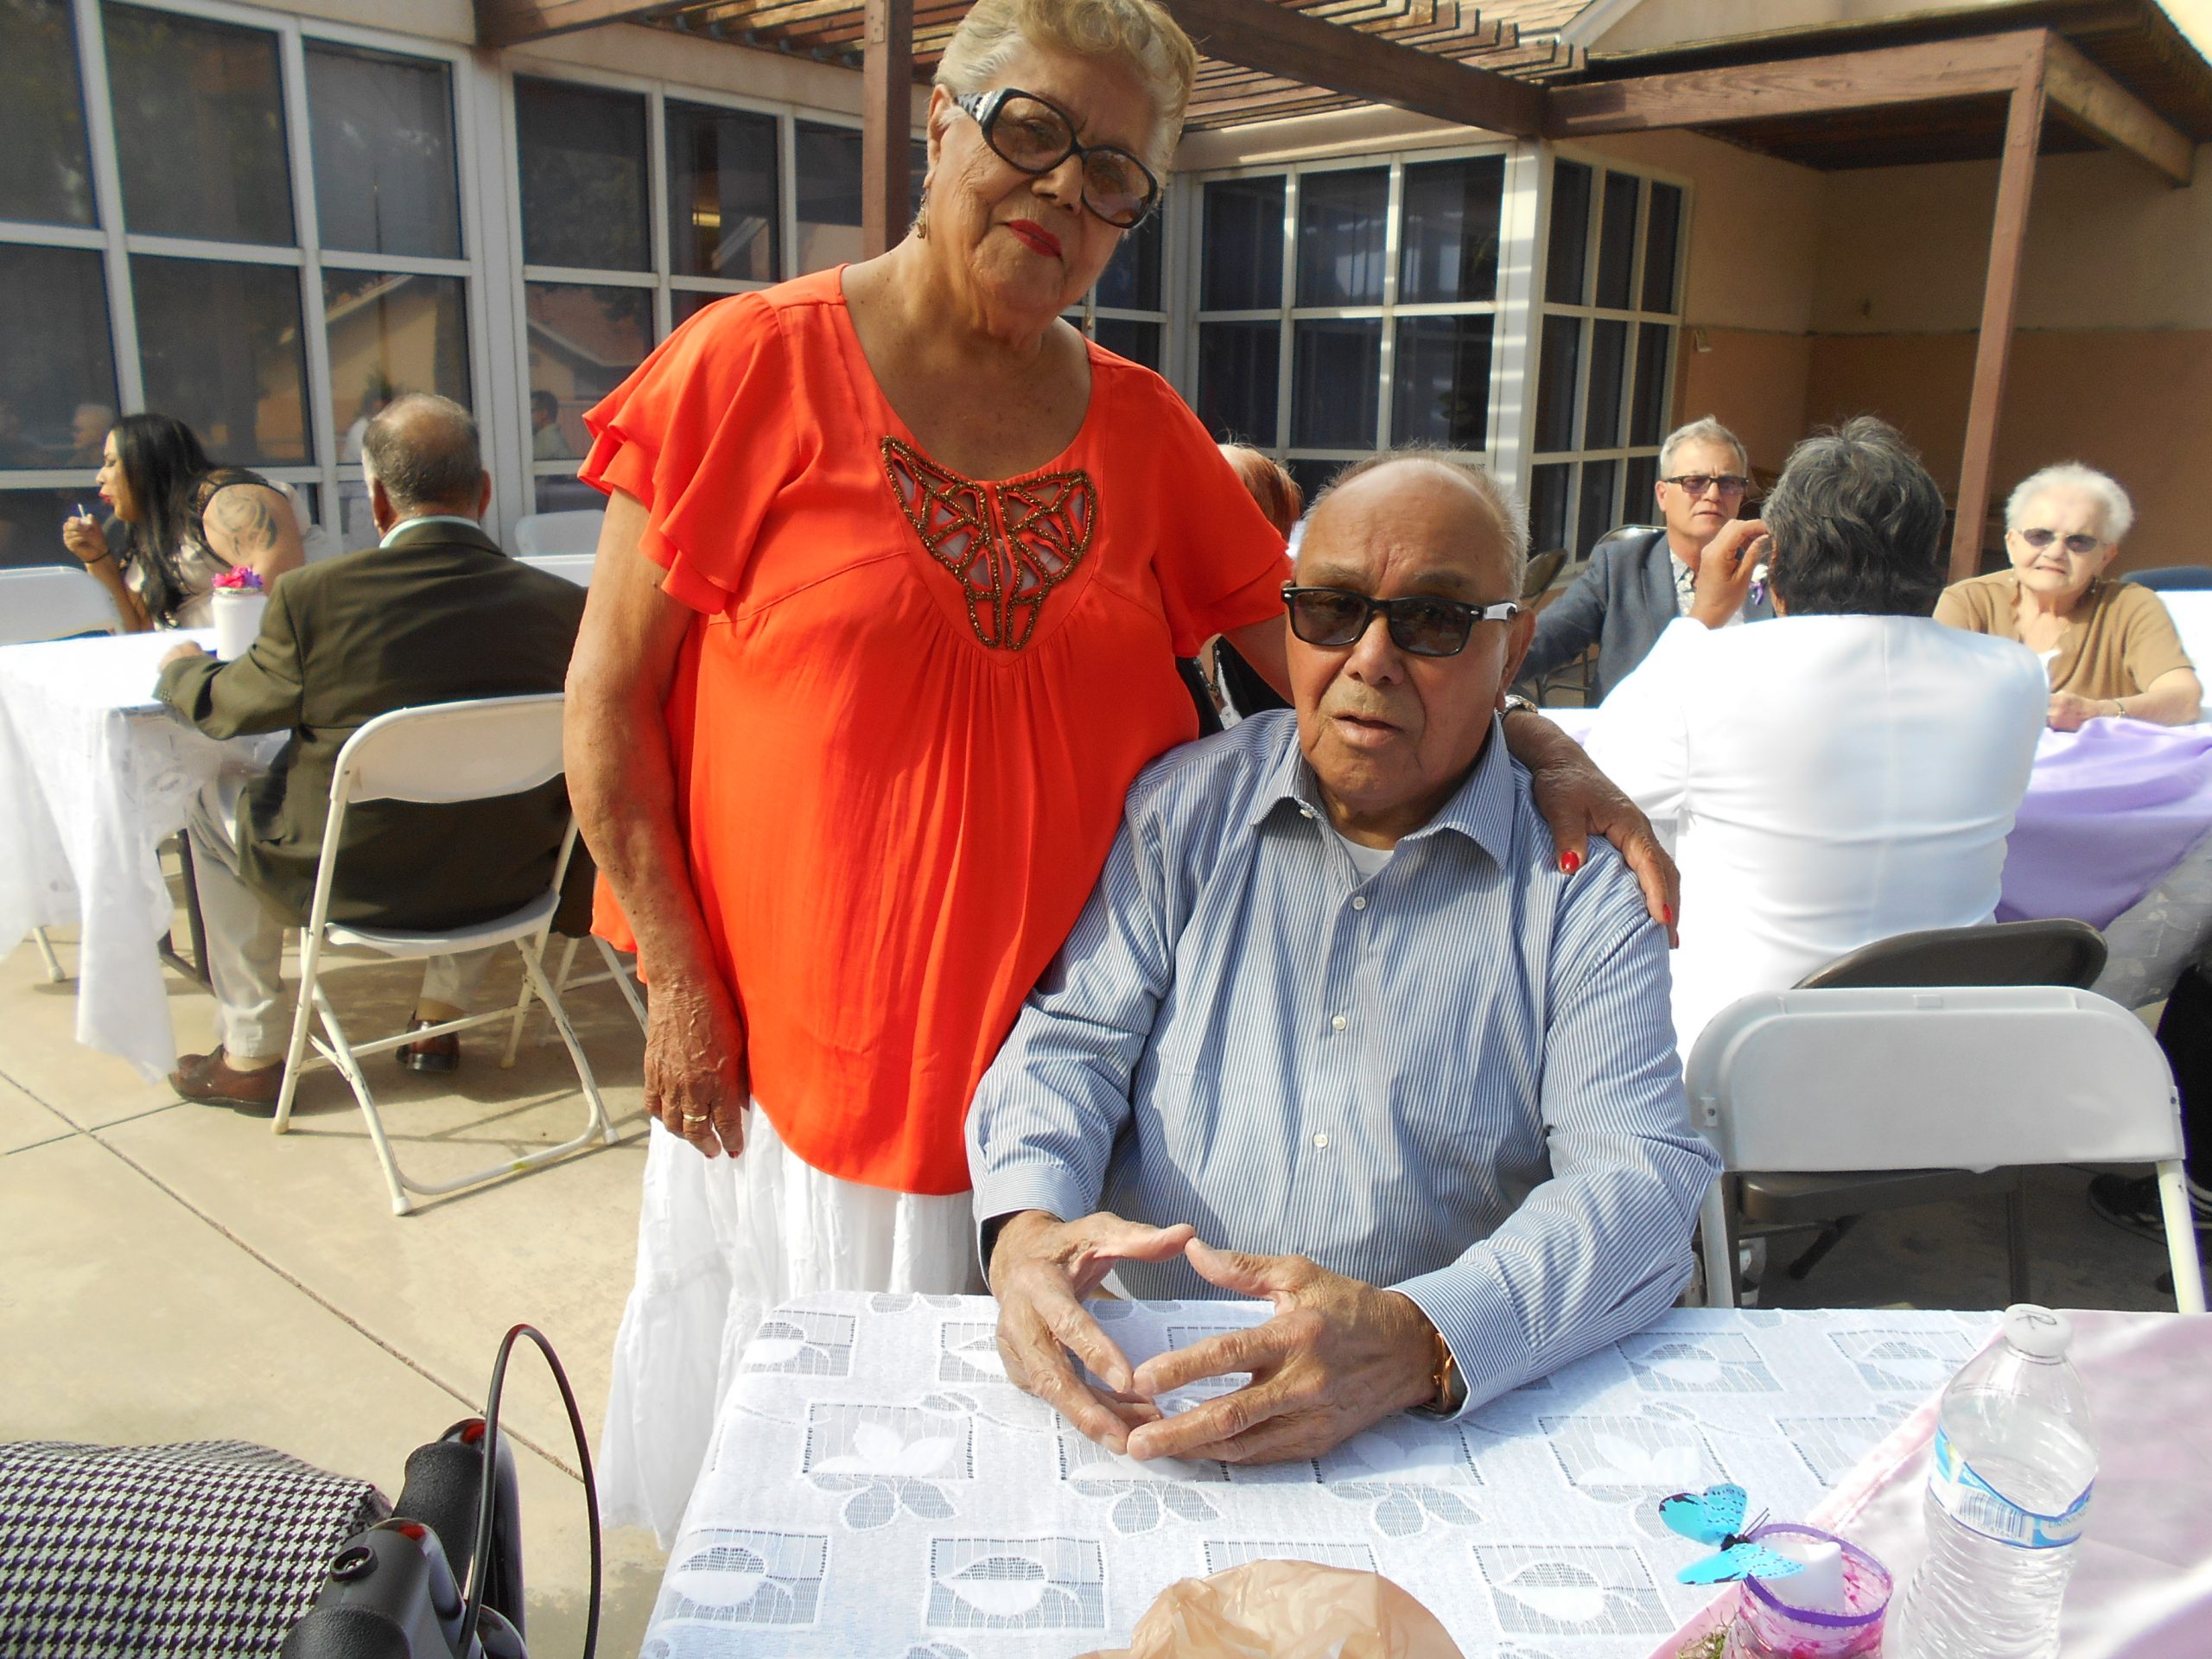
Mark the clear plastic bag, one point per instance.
(1286, 1610)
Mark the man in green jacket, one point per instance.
(435, 612)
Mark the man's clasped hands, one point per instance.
(1335, 1357)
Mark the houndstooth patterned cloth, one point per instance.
(213, 1548)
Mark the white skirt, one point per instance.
(720, 1241)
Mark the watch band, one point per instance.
(1448, 1395)
(1517, 705)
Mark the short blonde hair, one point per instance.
(1138, 32)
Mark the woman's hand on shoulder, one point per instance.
(697, 1080)
(252, 524)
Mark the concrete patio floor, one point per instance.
(174, 1272)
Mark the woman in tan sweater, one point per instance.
(2110, 647)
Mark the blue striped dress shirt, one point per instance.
(1456, 1079)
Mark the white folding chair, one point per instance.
(618, 973)
(2191, 610)
(1867, 1079)
(53, 601)
(542, 535)
(444, 752)
(570, 567)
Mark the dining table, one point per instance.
(94, 774)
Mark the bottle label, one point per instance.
(1978, 1507)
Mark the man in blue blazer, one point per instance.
(1639, 579)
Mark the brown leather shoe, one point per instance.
(431, 1053)
(209, 1080)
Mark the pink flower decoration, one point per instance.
(239, 579)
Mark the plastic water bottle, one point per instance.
(2008, 1490)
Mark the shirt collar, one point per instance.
(1481, 808)
(406, 525)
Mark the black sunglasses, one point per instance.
(1033, 137)
(1336, 617)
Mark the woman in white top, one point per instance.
(1846, 773)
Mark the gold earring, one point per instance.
(922, 221)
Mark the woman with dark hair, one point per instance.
(1845, 771)
(186, 521)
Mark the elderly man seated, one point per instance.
(435, 612)
(1336, 1030)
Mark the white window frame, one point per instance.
(306, 255)
(1505, 429)
(1622, 453)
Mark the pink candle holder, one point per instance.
(1768, 1626)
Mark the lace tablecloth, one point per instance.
(93, 773)
(877, 1489)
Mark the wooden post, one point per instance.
(886, 124)
(2015, 184)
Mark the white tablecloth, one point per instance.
(876, 1488)
(93, 773)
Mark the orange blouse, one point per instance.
(910, 706)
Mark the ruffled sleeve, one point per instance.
(1219, 562)
(705, 433)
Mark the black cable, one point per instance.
(473, 1597)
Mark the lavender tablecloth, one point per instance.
(2110, 808)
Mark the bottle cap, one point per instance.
(2037, 1331)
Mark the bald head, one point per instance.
(422, 449)
(1457, 511)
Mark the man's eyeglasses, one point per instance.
(1336, 617)
(1699, 483)
(1034, 137)
(2079, 545)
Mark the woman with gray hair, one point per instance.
(894, 573)
(2109, 647)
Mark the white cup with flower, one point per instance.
(238, 600)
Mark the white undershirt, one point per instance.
(1367, 860)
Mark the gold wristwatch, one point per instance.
(1448, 1390)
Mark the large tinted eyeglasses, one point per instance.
(1698, 483)
(1034, 137)
(1336, 617)
(2079, 545)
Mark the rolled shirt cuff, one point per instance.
(1474, 1313)
(1011, 1191)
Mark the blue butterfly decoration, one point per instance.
(1715, 1515)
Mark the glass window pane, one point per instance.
(1313, 476)
(584, 340)
(1241, 256)
(219, 348)
(722, 216)
(1569, 246)
(382, 132)
(48, 176)
(1239, 374)
(1648, 414)
(1638, 504)
(199, 127)
(57, 399)
(1131, 279)
(389, 334)
(829, 195)
(1556, 376)
(582, 152)
(917, 168)
(1594, 514)
(1124, 337)
(686, 304)
(30, 524)
(1449, 239)
(1442, 376)
(1335, 382)
(565, 495)
(1601, 419)
(1343, 219)
(1662, 244)
(1616, 240)
(1548, 491)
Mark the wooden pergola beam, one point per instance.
(2000, 295)
(2108, 113)
(1846, 80)
(511, 22)
(1259, 34)
(886, 124)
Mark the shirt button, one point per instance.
(1320, 1143)
(1340, 1022)
(1359, 902)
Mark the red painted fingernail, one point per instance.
(1668, 912)
(1569, 863)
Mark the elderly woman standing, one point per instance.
(2110, 647)
(893, 576)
